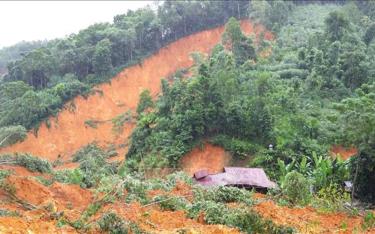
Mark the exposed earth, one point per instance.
(38, 205)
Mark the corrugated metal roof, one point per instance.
(252, 177)
(200, 174)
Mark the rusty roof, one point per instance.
(238, 176)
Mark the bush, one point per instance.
(11, 135)
(239, 148)
(246, 220)
(93, 165)
(28, 161)
(113, 224)
(4, 212)
(296, 188)
(171, 203)
(331, 199)
(69, 176)
(368, 221)
(223, 194)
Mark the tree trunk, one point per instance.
(355, 177)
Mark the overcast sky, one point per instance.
(48, 20)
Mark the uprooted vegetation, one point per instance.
(173, 204)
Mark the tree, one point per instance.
(102, 57)
(336, 25)
(357, 127)
(241, 46)
(370, 34)
(145, 101)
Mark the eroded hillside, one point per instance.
(85, 120)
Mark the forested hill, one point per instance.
(43, 79)
(107, 115)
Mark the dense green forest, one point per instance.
(314, 90)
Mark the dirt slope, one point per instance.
(209, 157)
(68, 131)
(343, 153)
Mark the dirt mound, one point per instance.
(21, 226)
(153, 220)
(344, 153)
(209, 157)
(309, 220)
(71, 195)
(68, 131)
(29, 190)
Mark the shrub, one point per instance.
(4, 174)
(331, 198)
(113, 224)
(118, 121)
(171, 203)
(239, 148)
(368, 221)
(296, 188)
(223, 194)
(11, 135)
(4, 212)
(242, 218)
(28, 161)
(93, 165)
(69, 176)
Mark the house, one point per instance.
(236, 176)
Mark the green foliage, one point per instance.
(239, 148)
(368, 221)
(119, 121)
(4, 212)
(69, 176)
(336, 24)
(28, 161)
(223, 194)
(272, 14)
(356, 123)
(171, 203)
(369, 35)
(296, 188)
(242, 47)
(92, 166)
(331, 199)
(145, 101)
(111, 223)
(212, 102)
(242, 218)
(11, 135)
(4, 174)
(64, 68)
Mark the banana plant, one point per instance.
(284, 169)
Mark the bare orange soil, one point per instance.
(63, 199)
(209, 157)
(343, 153)
(70, 201)
(68, 132)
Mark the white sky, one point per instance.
(41, 20)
